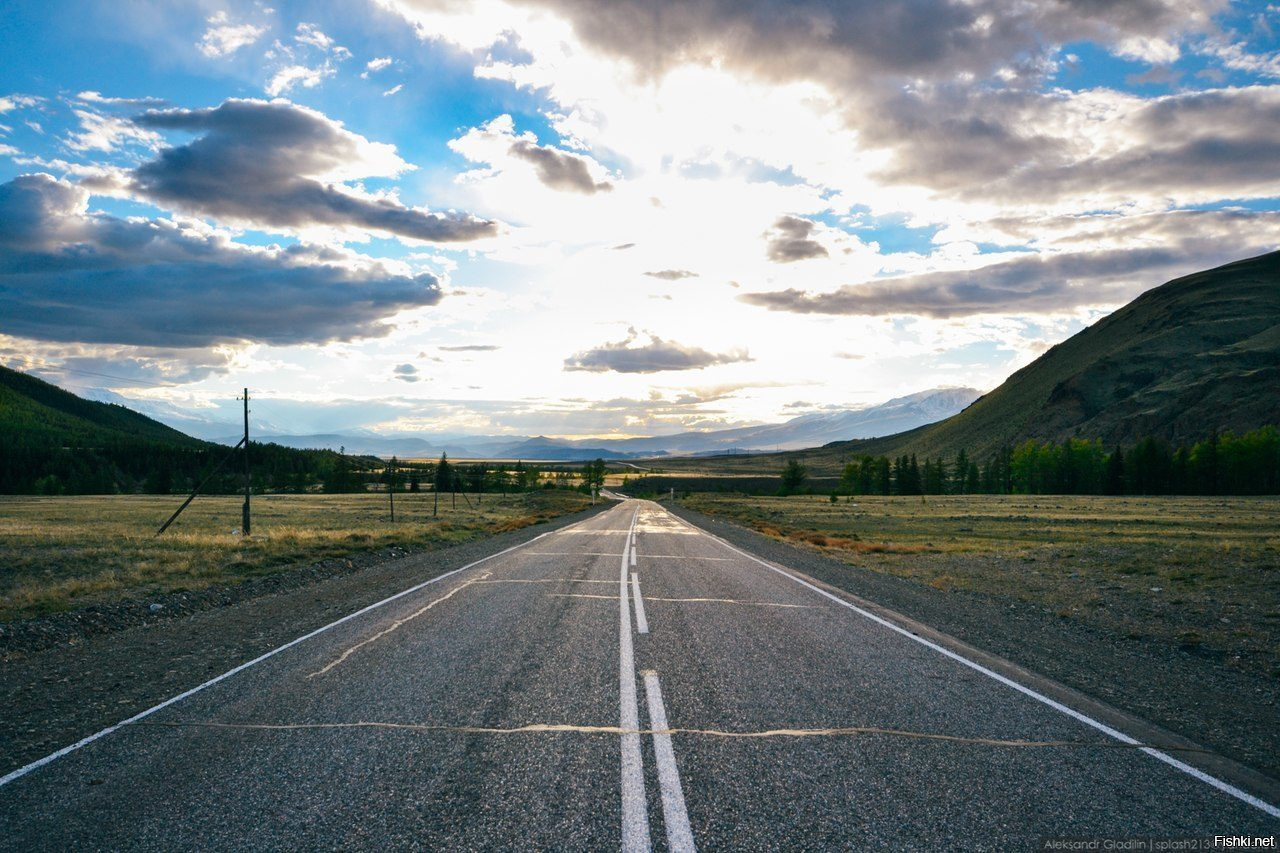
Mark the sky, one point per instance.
(583, 218)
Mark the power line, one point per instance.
(63, 369)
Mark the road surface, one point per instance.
(626, 682)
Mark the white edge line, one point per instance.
(642, 624)
(1212, 781)
(674, 813)
(85, 741)
(636, 837)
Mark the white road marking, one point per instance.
(674, 814)
(642, 624)
(633, 553)
(85, 741)
(635, 810)
(1182, 766)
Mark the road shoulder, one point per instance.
(1164, 692)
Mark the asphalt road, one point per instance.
(534, 701)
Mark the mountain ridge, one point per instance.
(1196, 354)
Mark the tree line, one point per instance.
(1222, 464)
(475, 477)
(130, 466)
(446, 476)
(133, 466)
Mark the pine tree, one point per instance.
(793, 477)
(960, 484)
(1115, 472)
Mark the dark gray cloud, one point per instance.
(472, 348)
(558, 169)
(138, 366)
(91, 366)
(671, 275)
(842, 42)
(656, 356)
(272, 165)
(1046, 282)
(67, 275)
(406, 373)
(789, 240)
(1188, 147)
(1158, 75)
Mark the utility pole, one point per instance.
(248, 481)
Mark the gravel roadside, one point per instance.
(68, 676)
(1235, 713)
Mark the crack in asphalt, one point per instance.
(545, 580)
(396, 624)
(554, 728)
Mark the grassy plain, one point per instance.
(59, 553)
(1200, 573)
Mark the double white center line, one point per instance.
(635, 814)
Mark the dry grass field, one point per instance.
(59, 553)
(1200, 573)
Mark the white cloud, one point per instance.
(311, 35)
(100, 132)
(93, 97)
(223, 37)
(375, 65)
(1238, 57)
(298, 75)
(9, 103)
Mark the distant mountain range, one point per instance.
(902, 413)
